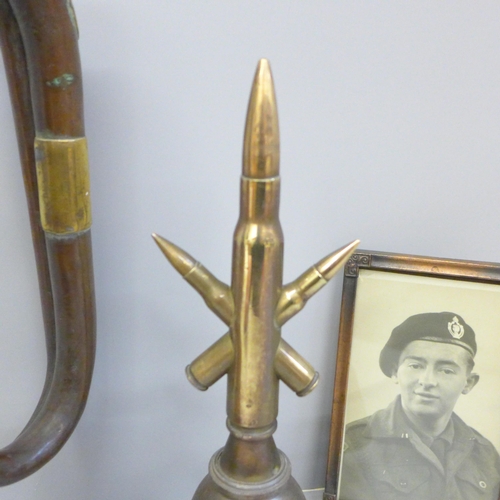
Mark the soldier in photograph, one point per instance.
(418, 448)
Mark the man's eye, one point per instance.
(448, 371)
(414, 366)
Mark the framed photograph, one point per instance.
(416, 407)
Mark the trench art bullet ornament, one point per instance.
(253, 354)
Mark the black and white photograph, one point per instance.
(421, 417)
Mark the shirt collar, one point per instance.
(393, 423)
(389, 423)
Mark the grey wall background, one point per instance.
(389, 115)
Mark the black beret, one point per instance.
(444, 327)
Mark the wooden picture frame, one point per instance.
(382, 290)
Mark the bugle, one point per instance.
(39, 47)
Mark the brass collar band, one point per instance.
(252, 490)
(256, 179)
(63, 184)
(247, 434)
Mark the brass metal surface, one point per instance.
(63, 184)
(217, 295)
(295, 371)
(211, 364)
(252, 353)
(261, 145)
(295, 295)
(256, 283)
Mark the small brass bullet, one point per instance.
(182, 262)
(217, 295)
(295, 295)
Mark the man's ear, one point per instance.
(472, 380)
(394, 376)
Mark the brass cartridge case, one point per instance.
(295, 371)
(211, 364)
(216, 361)
(256, 285)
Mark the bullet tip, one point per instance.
(263, 64)
(181, 260)
(333, 262)
(261, 144)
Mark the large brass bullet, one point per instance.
(257, 265)
(255, 306)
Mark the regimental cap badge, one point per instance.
(455, 328)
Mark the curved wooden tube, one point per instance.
(39, 46)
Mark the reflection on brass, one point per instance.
(295, 295)
(211, 364)
(294, 370)
(255, 307)
(63, 184)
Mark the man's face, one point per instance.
(432, 376)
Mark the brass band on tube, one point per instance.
(63, 184)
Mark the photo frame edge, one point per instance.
(465, 270)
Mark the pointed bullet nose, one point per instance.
(333, 262)
(180, 260)
(261, 149)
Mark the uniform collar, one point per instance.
(447, 435)
(391, 422)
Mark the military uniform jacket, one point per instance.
(385, 459)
